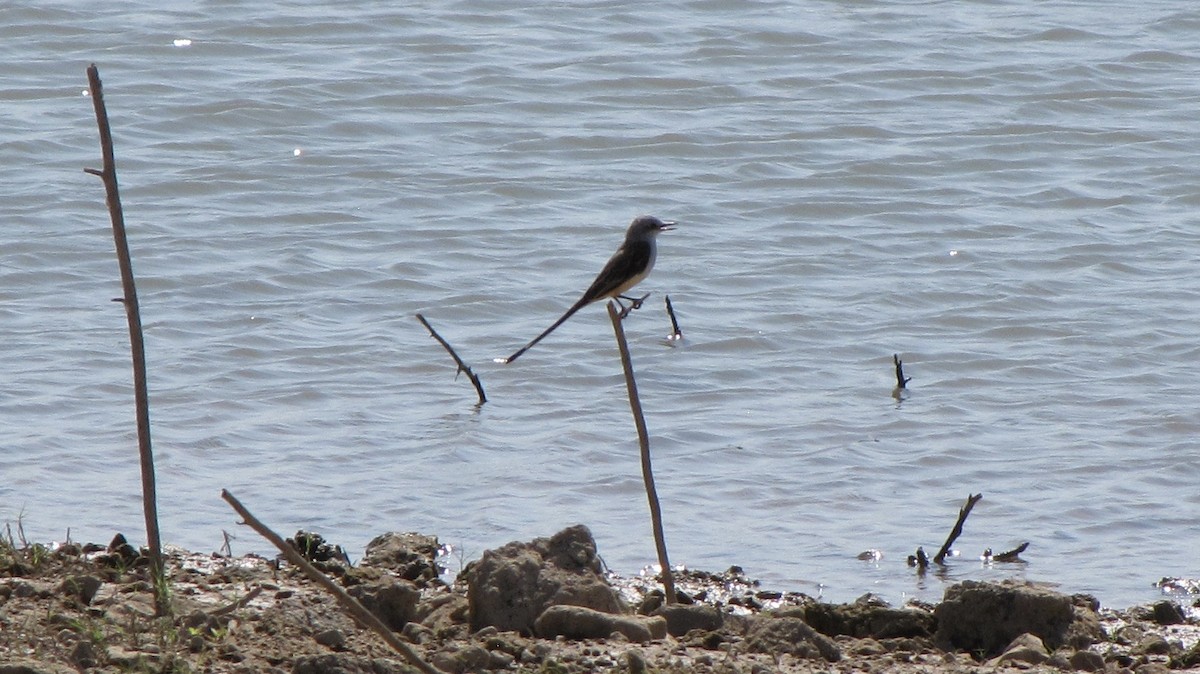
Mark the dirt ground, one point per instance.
(84, 608)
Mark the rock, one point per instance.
(511, 586)
(790, 635)
(1087, 661)
(392, 601)
(81, 588)
(313, 547)
(410, 555)
(339, 663)
(333, 639)
(31, 667)
(471, 658)
(1155, 644)
(635, 661)
(683, 618)
(1025, 648)
(979, 616)
(868, 619)
(578, 622)
(1167, 613)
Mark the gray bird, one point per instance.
(626, 268)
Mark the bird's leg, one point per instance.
(634, 303)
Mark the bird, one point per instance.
(626, 268)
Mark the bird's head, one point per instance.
(648, 226)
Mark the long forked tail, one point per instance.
(570, 312)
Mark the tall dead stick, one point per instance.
(136, 344)
(462, 367)
(639, 420)
(348, 603)
(972, 499)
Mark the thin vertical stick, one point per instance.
(136, 344)
(349, 604)
(972, 499)
(635, 404)
(462, 367)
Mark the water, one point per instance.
(1005, 196)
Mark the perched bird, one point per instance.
(626, 268)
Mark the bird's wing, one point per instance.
(627, 264)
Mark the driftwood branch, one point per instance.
(972, 499)
(462, 367)
(639, 420)
(901, 380)
(1013, 555)
(108, 174)
(919, 559)
(676, 333)
(348, 603)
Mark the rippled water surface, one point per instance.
(1004, 194)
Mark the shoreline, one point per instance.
(91, 608)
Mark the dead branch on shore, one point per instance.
(462, 367)
(901, 380)
(348, 603)
(972, 499)
(639, 420)
(108, 174)
(676, 333)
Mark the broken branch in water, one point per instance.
(1009, 555)
(462, 367)
(972, 499)
(901, 380)
(349, 604)
(919, 560)
(676, 333)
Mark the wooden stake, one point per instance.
(639, 420)
(136, 343)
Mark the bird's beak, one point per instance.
(667, 225)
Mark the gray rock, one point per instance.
(979, 616)
(31, 667)
(864, 619)
(683, 618)
(1087, 661)
(790, 635)
(392, 601)
(1025, 648)
(82, 588)
(578, 622)
(411, 556)
(1167, 613)
(341, 663)
(333, 639)
(511, 586)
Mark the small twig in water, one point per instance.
(972, 499)
(1011, 555)
(462, 367)
(901, 380)
(676, 333)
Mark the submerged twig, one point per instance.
(348, 603)
(141, 395)
(676, 333)
(972, 499)
(462, 367)
(639, 420)
(901, 380)
(1013, 555)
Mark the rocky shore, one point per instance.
(538, 606)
